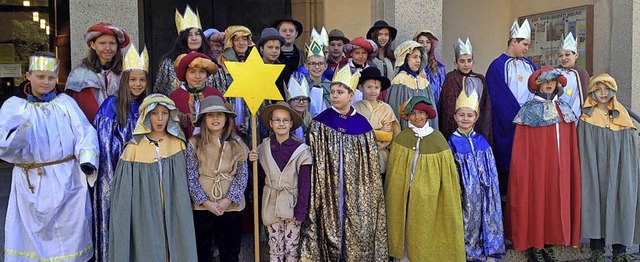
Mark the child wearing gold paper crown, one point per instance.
(480, 193)
(610, 171)
(543, 197)
(55, 152)
(115, 121)
(346, 207)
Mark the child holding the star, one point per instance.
(286, 163)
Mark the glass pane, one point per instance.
(20, 36)
(27, 2)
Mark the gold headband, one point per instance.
(43, 63)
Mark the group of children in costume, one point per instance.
(369, 165)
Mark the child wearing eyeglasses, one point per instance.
(286, 163)
(298, 98)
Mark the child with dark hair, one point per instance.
(346, 220)
(190, 39)
(98, 77)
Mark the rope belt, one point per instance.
(39, 166)
(216, 188)
(292, 197)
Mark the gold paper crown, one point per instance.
(43, 63)
(345, 77)
(468, 100)
(189, 20)
(296, 89)
(135, 61)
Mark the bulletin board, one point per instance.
(549, 29)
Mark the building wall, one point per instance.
(635, 54)
(353, 17)
(83, 14)
(488, 33)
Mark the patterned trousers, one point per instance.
(284, 237)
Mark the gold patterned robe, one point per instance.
(346, 220)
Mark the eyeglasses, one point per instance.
(281, 121)
(300, 100)
(316, 64)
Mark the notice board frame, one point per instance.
(549, 29)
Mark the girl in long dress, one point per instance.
(151, 217)
(115, 121)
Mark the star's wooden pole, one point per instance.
(256, 232)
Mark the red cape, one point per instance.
(544, 195)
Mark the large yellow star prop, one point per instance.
(254, 81)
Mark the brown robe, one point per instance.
(453, 84)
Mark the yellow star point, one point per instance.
(254, 81)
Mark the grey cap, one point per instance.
(270, 33)
(213, 104)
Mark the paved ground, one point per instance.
(564, 254)
(5, 187)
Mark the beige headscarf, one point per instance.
(622, 118)
(143, 125)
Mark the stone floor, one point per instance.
(563, 253)
(246, 254)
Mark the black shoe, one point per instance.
(535, 255)
(549, 254)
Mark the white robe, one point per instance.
(572, 91)
(53, 222)
(517, 76)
